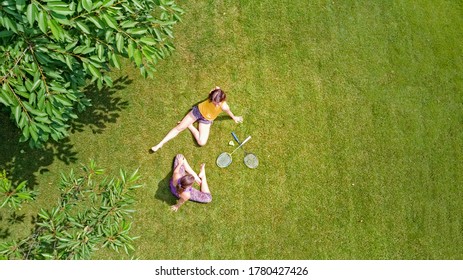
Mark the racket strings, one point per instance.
(224, 160)
(251, 161)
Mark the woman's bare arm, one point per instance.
(226, 109)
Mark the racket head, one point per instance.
(251, 160)
(224, 160)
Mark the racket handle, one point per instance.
(246, 140)
(236, 137)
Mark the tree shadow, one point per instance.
(105, 107)
(5, 233)
(20, 161)
(7, 226)
(15, 218)
(12, 219)
(23, 163)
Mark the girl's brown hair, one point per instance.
(185, 182)
(217, 95)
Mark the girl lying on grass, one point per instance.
(204, 113)
(181, 183)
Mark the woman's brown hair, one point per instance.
(185, 182)
(217, 95)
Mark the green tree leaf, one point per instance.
(119, 42)
(10, 25)
(62, 10)
(94, 71)
(110, 21)
(32, 14)
(36, 84)
(73, 228)
(54, 48)
(6, 33)
(62, 99)
(137, 31)
(17, 113)
(43, 22)
(148, 40)
(96, 21)
(137, 56)
(115, 60)
(20, 5)
(82, 26)
(56, 30)
(88, 5)
(34, 132)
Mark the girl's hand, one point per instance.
(216, 87)
(174, 208)
(238, 119)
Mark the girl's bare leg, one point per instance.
(190, 170)
(188, 120)
(202, 175)
(201, 134)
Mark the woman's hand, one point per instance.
(216, 87)
(238, 119)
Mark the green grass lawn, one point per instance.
(355, 109)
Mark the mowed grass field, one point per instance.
(355, 109)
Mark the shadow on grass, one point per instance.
(22, 163)
(8, 223)
(5, 233)
(223, 118)
(163, 192)
(15, 218)
(105, 107)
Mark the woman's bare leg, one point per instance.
(188, 120)
(202, 175)
(201, 134)
(190, 170)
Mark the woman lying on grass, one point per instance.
(204, 113)
(181, 183)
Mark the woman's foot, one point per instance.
(202, 171)
(155, 149)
